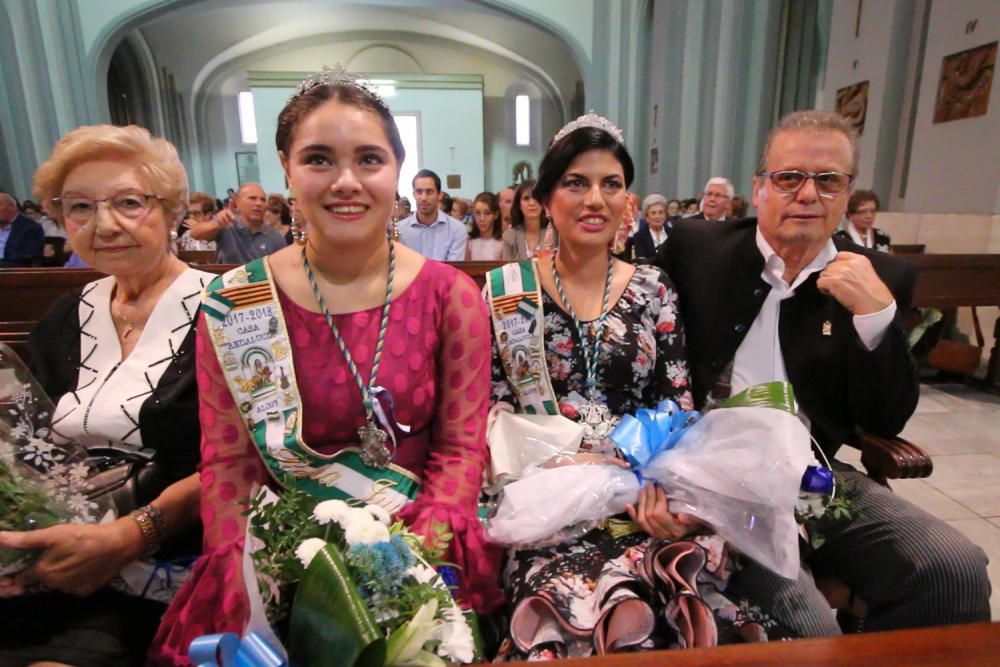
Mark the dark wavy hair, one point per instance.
(561, 154)
(516, 215)
(493, 202)
(302, 104)
(859, 197)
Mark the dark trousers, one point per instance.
(912, 569)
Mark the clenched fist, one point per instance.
(852, 281)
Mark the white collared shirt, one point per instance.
(867, 241)
(758, 358)
(658, 237)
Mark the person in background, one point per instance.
(21, 238)
(673, 209)
(485, 239)
(117, 356)
(445, 203)
(740, 206)
(201, 208)
(49, 226)
(689, 207)
(860, 227)
(656, 231)
(460, 209)
(716, 200)
(241, 236)
(529, 233)
(430, 231)
(506, 197)
(279, 214)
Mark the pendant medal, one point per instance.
(597, 423)
(374, 452)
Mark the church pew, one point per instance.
(955, 281)
(954, 646)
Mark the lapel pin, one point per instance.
(827, 328)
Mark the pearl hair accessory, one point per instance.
(335, 76)
(591, 119)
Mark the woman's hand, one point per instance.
(654, 517)
(75, 559)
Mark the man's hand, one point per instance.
(224, 218)
(653, 515)
(75, 559)
(852, 281)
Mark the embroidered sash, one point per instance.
(250, 339)
(515, 300)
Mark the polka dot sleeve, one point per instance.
(213, 599)
(458, 454)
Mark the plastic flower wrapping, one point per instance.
(737, 468)
(42, 482)
(337, 578)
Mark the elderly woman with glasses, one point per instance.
(117, 358)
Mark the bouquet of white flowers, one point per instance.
(42, 483)
(365, 588)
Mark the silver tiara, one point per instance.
(591, 119)
(337, 76)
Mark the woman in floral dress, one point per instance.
(613, 343)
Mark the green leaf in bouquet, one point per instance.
(331, 623)
(777, 395)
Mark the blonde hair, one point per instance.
(156, 160)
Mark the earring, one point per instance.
(173, 234)
(299, 233)
(394, 230)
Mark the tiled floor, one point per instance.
(960, 428)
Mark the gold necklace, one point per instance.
(127, 321)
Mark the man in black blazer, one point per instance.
(775, 298)
(23, 238)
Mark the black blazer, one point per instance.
(24, 243)
(883, 242)
(840, 385)
(642, 243)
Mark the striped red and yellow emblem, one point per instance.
(505, 305)
(247, 295)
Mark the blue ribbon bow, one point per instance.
(650, 432)
(817, 479)
(226, 650)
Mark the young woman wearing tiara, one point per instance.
(608, 340)
(417, 333)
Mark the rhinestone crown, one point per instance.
(336, 76)
(591, 119)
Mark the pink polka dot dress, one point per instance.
(436, 363)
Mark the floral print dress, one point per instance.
(564, 597)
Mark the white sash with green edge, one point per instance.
(249, 336)
(515, 299)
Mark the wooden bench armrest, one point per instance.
(892, 458)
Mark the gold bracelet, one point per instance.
(144, 519)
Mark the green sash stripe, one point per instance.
(496, 283)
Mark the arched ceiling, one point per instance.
(194, 41)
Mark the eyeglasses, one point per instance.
(129, 205)
(828, 183)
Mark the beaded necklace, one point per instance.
(374, 449)
(597, 419)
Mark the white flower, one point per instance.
(368, 533)
(330, 510)
(406, 645)
(308, 550)
(422, 573)
(457, 644)
(379, 513)
(355, 516)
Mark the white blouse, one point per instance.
(103, 411)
